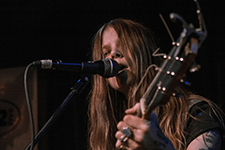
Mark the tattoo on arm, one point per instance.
(211, 139)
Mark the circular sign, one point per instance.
(9, 116)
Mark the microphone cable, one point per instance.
(29, 105)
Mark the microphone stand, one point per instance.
(75, 91)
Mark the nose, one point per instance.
(115, 54)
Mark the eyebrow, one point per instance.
(106, 47)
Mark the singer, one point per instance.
(185, 122)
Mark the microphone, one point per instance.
(105, 67)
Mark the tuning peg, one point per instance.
(166, 57)
(177, 95)
(185, 82)
(195, 67)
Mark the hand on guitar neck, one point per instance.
(146, 133)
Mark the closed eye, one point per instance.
(119, 55)
(106, 53)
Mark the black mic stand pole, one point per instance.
(75, 91)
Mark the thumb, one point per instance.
(133, 110)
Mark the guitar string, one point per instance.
(147, 70)
(155, 55)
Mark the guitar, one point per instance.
(174, 66)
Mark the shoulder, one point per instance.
(206, 110)
(203, 117)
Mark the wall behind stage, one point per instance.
(32, 30)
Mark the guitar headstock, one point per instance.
(174, 66)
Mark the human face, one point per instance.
(112, 49)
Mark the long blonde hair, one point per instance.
(107, 106)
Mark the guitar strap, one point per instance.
(193, 102)
(196, 101)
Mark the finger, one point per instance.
(133, 145)
(122, 147)
(138, 135)
(132, 110)
(130, 143)
(119, 143)
(136, 122)
(125, 129)
(121, 125)
(118, 135)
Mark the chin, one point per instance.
(113, 83)
(121, 82)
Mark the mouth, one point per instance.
(122, 68)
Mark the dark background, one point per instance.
(52, 29)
